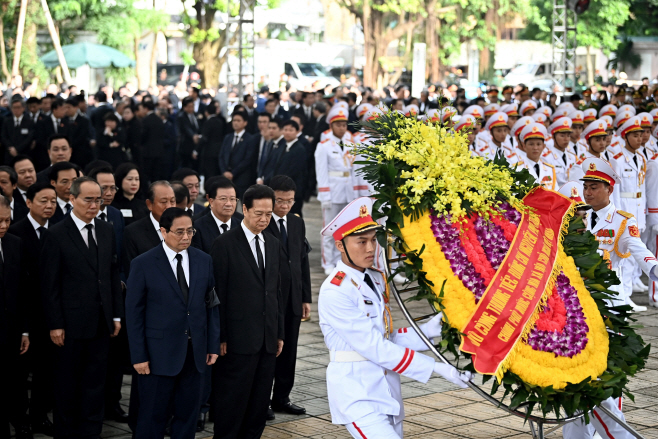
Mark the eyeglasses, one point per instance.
(90, 201)
(109, 188)
(179, 233)
(284, 202)
(227, 199)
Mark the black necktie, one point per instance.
(224, 228)
(368, 281)
(284, 233)
(67, 206)
(42, 234)
(103, 216)
(537, 169)
(594, 218)
(564, 158)
(259, 258)
(16, 123)
(635, 160)
(235, 141)
(193, 122)
(91, 243)
(341, 145)
(180, 274)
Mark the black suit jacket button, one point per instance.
(99, 281)
(186, 332)
(188, 313)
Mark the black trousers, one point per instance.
(119, 359)
(13, 387)
(42, 357)
(284, 373)
(241, 394)
(158, 393)
(79, 385)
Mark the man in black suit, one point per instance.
(79, 133)
(14, 332)
(291, 161)
(144, 234)
(261, 139)
(306, 107)
(17, 131)
(188, 134)
(237, 159)
(33, 109)
(252, 114)
(290, 230)
(271, 151)
(199, 106)
(59, 150)
(8, 180)
(321, 125)
(152, 144)
(212, 135)
(41, 201)
(81, 289)
(302, 121)
(55, 123)
(222, 218)
(97, 117)
(190, 179)
(174, 336)
(26, 177)
(62, 176)
(247, 264)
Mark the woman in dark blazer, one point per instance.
(128, 199)
(111, 143)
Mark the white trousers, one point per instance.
(330, 254)
(599, 422)
(651, 239)
(375, 426)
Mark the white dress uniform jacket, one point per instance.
(363, 376)
(562, 162)
(547, 176)
(334, 168)
(632, 184)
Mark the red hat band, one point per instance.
(602, 176)
(353, 226)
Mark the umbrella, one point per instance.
(96, 55)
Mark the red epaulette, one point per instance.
(546, 153)
(580, 161)
(338, 278)
(618, 155)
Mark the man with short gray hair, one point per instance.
(83, 303)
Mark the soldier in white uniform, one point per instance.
(608, 110)
(334, 168)
(367, 356)
(542, 119)
(484, 136)
(512, 142)
(497, 127)
(619, 240)
(632, 168)
(338, 105)
(532, 138)
(649, 147)
(617, 143)
(558, 152)
(650, 235)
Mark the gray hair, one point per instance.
(151, 192)
(4, 202)
(75, 186)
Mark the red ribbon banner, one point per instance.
(515, 291)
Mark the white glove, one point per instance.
(451, 374)
(655, 228)
(432, 328)
(325, 205)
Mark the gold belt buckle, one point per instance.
(639, 195)
(346, 174)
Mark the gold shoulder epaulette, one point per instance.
(625, 214)
(616, 156)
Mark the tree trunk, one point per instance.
(55, 37)
(206, 55)
(3, 53)
(152, 63)
(368, 79)
(29, 53)
(590, 67)
(19, 38)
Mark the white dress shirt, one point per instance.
(62, 204)
(276, 219)
(171, 257)
(157, 226)
(11, 207)
(36, 225)
(220, 222)
(290, 144)
(23, 194)
(252, 243)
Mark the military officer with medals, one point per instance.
(367, 356)
(649, 145)
(631, 167)
(532, 138)
(334, 168)
(619, 240)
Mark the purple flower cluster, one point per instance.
(573, 337)
(448, 237)
(509, 213)
(493, 241)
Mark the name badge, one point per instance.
(24, 131)
(127, 213)
(368, 302)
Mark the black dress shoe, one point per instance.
(270, 414)
(117, 414)
(289, 408)
(23, 431)
(201, 423)
(43, 426)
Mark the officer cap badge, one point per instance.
(592, 166)
(363, 212)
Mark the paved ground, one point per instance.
(436, 410)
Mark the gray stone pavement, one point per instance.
(436, 410)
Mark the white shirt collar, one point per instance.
(62, 204)
(34, 222)
(250, 236)
(79, 223)
(290, 144)
(277, 218)
(155, 223)
(220, 222)
(171, 255)
(239, 134)
(20, 118)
